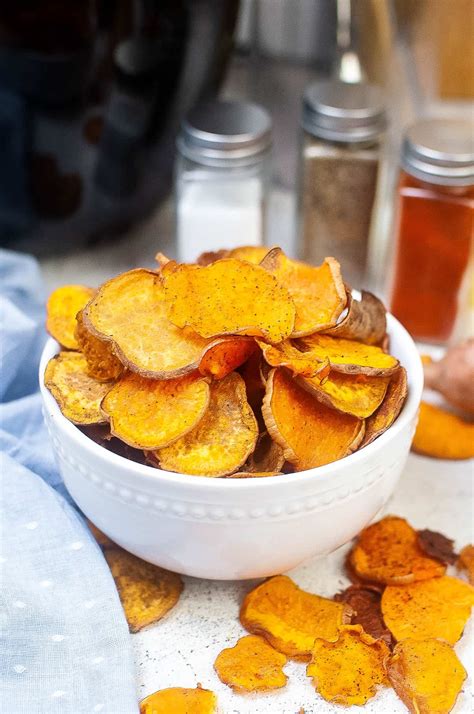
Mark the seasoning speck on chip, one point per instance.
(251, 665)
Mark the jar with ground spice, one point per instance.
(342, 148)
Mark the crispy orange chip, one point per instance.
(286, 354)
(228, 297)
(388, 552)
(61, 309)
(226, 354)
(146, 591)
(290, 618)
(390, 408)
(310, 433)
(77, 394)
(254, 474)
(151, 413)
(318, 292)
(466, 561)
(348, 356)
(103, 365)
(354, 394)
(177, 700)
(251, 253)
(427, 675)
(349, 670)
(443, 435)
(251, 665)
(223, 439)
(129, 312)
(364, 601)
(439, 607)
(267, 456)
(365, 320)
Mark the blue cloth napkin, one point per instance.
(65, 645)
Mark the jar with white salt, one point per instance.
(222, 178)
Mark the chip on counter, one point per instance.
(151, 413)
(225, 354)
(222, 440)
(317, 291)
(442, 434)
(349, 670)
(437, 545)
(310, 433)
(178, 700)
(103, 365)
(388, 552)
(354, 394)
(61, 309)
(466, 561)
(147, 592)
(439, 608)
(365, 321)
(78, 395)
(290, 618)
(348, 356)
(364, 601)
(251, 665)
(427, 675)
(390, 408)
(228, 297)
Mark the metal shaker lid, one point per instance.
(339, 111)
(440, 151)
(217, 133)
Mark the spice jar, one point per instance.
(222, 177)
(341, 153)
(433, 238)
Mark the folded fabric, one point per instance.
(65, 641)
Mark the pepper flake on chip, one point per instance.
(178, 700)
(228, 297)
(310, 433)
(103, 365)
(364, 601)
(222, 440)
(251, 665)
(147, 592)
(62, 307)
(390, 408)
(317, 291)
(466, 561)
(388, 552)
(349, 670)
(77, 394)
(365, 320)
(443, 435)
(151, 413)
(439, 607)
(290, 618)
(226, 354)
(354, 394)
(427, 675)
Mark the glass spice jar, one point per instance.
(222, 177)
(433, 237)
(342, 147)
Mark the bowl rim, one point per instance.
(322, 473)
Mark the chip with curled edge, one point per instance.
(251, 665)
(365, 321)
(61, 309)
(348, 356)
(228, 297)
(390, 408)
(103, 365)
(290, 618)
(225, 354)
(354, 394)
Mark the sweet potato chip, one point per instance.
(210, 256)
(146, 591)
(437, 545)
(466, 561)
(177, 700)
(443, 435)
(228, 297)
(439, 607)
(427, 675)
(310, 433)
(151, 413)
(251, 253)
(286, 354)
(349, 670)
(348, 356)
(388, 552)
(251, 665)
(77, 394)
(290, 618)
(61, 310)
(129, 311)
(103, 365)
(267, 456)
(354, 394)
(318, 292)
(226, 354)
(254, 474)
(364, 601)
(390, 408)
(222, 440)
(365, 320)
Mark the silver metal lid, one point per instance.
(440, 151)
(219, 133)
(339, 111)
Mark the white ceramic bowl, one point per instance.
(234, 529)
